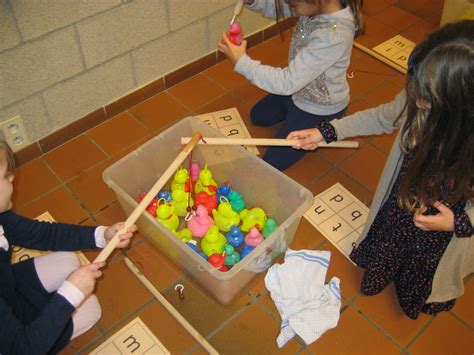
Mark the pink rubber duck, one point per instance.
(254, 237)
(235, 34)
(194, 171)
(200, 223)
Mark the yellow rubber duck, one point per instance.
(255, 217)
(181, 200)
(206, 182)
(166, 216)
(225, 217)
(213, 242)
(179, 179)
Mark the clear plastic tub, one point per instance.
(260, 185)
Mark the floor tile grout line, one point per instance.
(106, 333)
(64, 184)
(420, 331)
(459, 318)
(379, 327)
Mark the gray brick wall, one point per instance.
(62, 59)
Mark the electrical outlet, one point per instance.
(14, 132)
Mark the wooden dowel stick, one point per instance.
(104, 254)
(268, 142)
(380, 57)
(201, 340)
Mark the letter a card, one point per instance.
(134, 338)
(339, 216)
(230, 124)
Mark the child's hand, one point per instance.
(443, 221)
(84, 277)
(124, 238)
(308, 138)
(231, 51)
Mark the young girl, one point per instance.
(314, 86)
(45, 301)
(419, 231)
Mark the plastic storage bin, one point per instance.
(260, 185)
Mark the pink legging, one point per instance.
(52, 277)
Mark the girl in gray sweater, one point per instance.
(313, 87)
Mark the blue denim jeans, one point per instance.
(273, 109)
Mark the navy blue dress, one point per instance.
(396, 250)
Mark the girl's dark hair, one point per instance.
(7, 157)
(440, 138)
(355, 5)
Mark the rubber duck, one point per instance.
(208, 201)
(184, 234)
(164, 194)
(269, 227)
(231, 256)
(235, 237)
(206, 182)
(222, 190)
(253, 217)
(235, 34)
(152, 206)
(246, 249)
(166, 216)
(225, 217)
(236, 201)
(200, 223)
(179, 180)
(181, 201)
(254, 237)
(195, 248)
(217, 261)
(213, 242)
(194, 171)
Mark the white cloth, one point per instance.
(3, 240)
(307, 307)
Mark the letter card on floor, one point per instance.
(396, 49)
(21, 254)
(134, 338)
(230, 124)
(339, 216)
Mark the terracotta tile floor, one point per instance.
(67, 182)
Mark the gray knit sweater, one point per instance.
(319, 56)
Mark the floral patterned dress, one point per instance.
(396, 250)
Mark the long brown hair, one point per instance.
(355, 5)
(440, 138)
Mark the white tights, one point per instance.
(52, 270)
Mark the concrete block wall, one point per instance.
(62, 59)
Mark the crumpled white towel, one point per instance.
(307, 307)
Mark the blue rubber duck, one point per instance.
(235, 237)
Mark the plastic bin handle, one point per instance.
(104, 254)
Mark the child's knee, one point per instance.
(91, 311)
(86, 316)
(255, 116)
(68, 262)
(94, 308)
